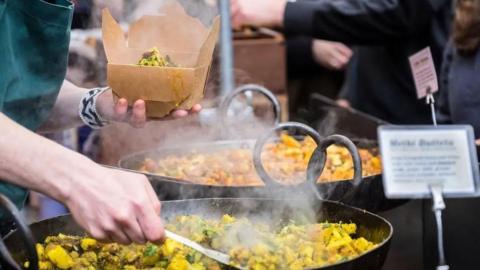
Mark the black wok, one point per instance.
(370, 226)
(368, 193)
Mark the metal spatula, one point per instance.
(213, 254)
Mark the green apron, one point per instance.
(34, 40)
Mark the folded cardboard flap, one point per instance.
(167, 33)
(113, 38)
(187, 42)
(205, 57)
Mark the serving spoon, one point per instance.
(213, 254)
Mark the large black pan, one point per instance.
(368, 194)
(370, 226)
(168, 188)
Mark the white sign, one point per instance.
(416, 157)
(424, 74)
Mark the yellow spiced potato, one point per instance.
(255, 245)
(60, 257)
(155, 59)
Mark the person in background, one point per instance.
(459, 99)
(34, 97)
(314, 66)
(384, 32)
(459, 103)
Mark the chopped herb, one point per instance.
(163, 263)
(190, 257)
(150, 250)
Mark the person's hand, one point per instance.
(331, 55)
(136, 117)
(343, 103)
(267, 13)
(117, 206)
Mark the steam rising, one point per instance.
(131, 10)
(119, 140)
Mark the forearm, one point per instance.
(131, 212)
(64, 114)
(36, 163)
(358, 22)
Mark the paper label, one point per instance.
(414, 158)
(424, 74)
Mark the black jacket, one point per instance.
(385, 33)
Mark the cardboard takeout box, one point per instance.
(187, 42)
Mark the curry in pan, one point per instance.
(257, 245)
(285, 160)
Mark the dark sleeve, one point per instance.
(443, 104)
(299, 55)
(362, 22)
(347, 91)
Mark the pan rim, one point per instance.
(385, 241)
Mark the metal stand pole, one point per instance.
(430, 100)
(438, 206)
(226, 49)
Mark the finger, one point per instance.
(179, 113)
(138, 117)
(115, 233)
(196, 108)
(343, 103)
(127, 221)
(150, 223)
(341, 60)
(97, 233)
(121, 110)
(335, 65)
(118, 236)
(134, 232)
(344, 50)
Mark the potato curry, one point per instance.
(285, 160)
(258, 246)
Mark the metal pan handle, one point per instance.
(317, 161)
(260, 143)
(25, 234)
(226, 102)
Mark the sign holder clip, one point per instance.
(431, 101)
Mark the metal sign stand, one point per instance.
(437, 197)
(226, 48)
(438, 206)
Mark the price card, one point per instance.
(416, 157)
(424, 74)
